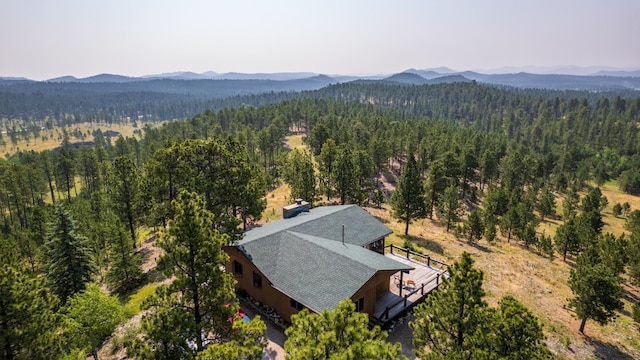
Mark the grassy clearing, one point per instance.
(133, 303)
(50, 139)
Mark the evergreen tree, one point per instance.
(597, 290)
(407, 200)
(547, 203)
(436, 184)
(516, 332)
(345, 175)
(124, 264)
(341, 333)
(570, 203)
(247, 342)
(194, 303)
(28, 321)
(451, 319)
(123, 190)
(70, 260)
(474, 226)
(450, 207)
(299, 173)
(326, 160)
(455, 322)
(567, 239)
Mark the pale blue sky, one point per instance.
(42, 39)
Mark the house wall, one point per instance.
(281, 303)
(268, 295)
(375, 287)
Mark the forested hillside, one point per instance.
(490, 165)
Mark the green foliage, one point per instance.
(28, 319)
(341, 333)
(455, 322)
(546, 203)
(567, 239)
(123, 181)
(474, 226)
(345, 177)
(326, 160)
(451, 319)
(91, 316)
(516, 332)
(299, 173)
(597, 290)
(125, 265)
(247, 342)
(408, 200)
(617, 210)
(450, 207)
(192, 307)
(70, 263)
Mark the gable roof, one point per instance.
(319, 271)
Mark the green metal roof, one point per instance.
(313, 266)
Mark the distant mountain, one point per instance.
(455, 78)
(266, 76)
(618, 73)
(64, 79)
(102, 78)
(406, 78)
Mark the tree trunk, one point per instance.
(406, 227)
(584, 321)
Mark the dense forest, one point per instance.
(478, 159)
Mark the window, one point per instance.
(257, 280)
(360, 304)
(237, 268)
(296, 305)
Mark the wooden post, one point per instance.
(407, 253)
(405, 300)
(438, 279)
(428, 260)
(422, 289)
(391, 248)
(401, 282)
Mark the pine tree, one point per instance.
(450, 207)
(408, 200)
(341, 333)
(455, 322)
(299, 173)
(516, 332)
(450, 318)
(195, 308)
(28, 321)
(597, 290)
(124, 271)
(474, 226)
(70, 260)
(123, 189)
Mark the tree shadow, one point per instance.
(425, 243)
(381, 219)
(477, 246)
(607, 351)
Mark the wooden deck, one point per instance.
(417, 284)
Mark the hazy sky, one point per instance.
(42, 39)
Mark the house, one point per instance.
(314, 259)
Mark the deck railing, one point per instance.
(409, 253)
(405, 298)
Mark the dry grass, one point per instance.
(54, 137)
